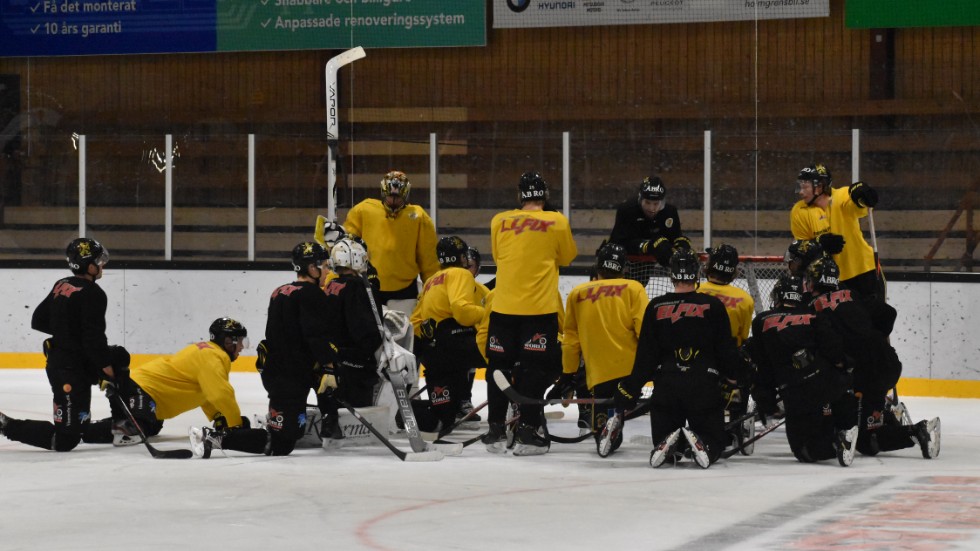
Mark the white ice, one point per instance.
(105, 498)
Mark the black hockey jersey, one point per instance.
(632, 227)
(73, 313)
(296, 331)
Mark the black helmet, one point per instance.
(802, 252)
(788, 290)
(612, 257)
(533, 187)
(823, 274)
(307, 253)
(227, 327)
(450, 251)
(84, 251)
(473, 255)
(684, 266)
(652, 188)
(817, 173)
(723, 262)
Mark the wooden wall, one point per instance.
(777, 94)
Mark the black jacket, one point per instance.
(73, 313)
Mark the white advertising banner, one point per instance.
(509, 14)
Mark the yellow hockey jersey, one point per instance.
(528, 247)
(810, 222)
(197, 376)
(401, 247)
(448, 294)
(602, 325)
(738, 303)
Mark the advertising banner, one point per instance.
(580, 13)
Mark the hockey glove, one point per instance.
(730, 393)
(564, 388)
(662, 248)
(863, 195)
(325, 379)
(221, 423)
(832, 243)
(427, 329)
(262, 352)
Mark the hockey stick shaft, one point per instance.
(401, 394)
(157, 454)
(514, 396)
(728, 453)
(404, 456)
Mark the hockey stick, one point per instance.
(401, 393)
(641, 439)
(737, 449)
(330, 76)
(157, 454)
(435, 436)
(514, 396)
(430, 455)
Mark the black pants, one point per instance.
(72, 423)
(526, 349)
(693, 398)
(879, 431)
(815, 411)
(447, 362)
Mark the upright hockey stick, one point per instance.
(157, 454)
(431, 455)
(330, 76)
(400, 387)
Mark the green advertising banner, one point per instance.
(886, 14)
(335, 24)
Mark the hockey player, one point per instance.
(297, 353)
(401, 238)
(801, 358)
(197, 377)
(528, 244)
(602, 325)
(686, 348)
(721, 270)
(875, 364)
(353, 329)
(647, 225)
(800, 254)
(78, 355)
(830, 216)
(445, 322)
(480, 294)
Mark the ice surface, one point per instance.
(105, 498)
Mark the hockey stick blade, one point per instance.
(514, 396)
(157, 454)
(429, 455)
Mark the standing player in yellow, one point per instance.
(401, 239)
(445, 322)
(602, 326)
(830, 216)
(528, 244)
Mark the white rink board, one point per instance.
(160, 311)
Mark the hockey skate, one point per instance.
(331, 434)
(845, 444)
(928, 434)
(611, 437)
(3, 422)
(496, 439)
(899, 412)
(664, 449)
(473, 422)
(203, 440)
(124, 433)
(698, 450)
(531, 440)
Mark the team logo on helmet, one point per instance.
(84, 249)
(652, 188)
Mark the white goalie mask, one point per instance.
(348, 253)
